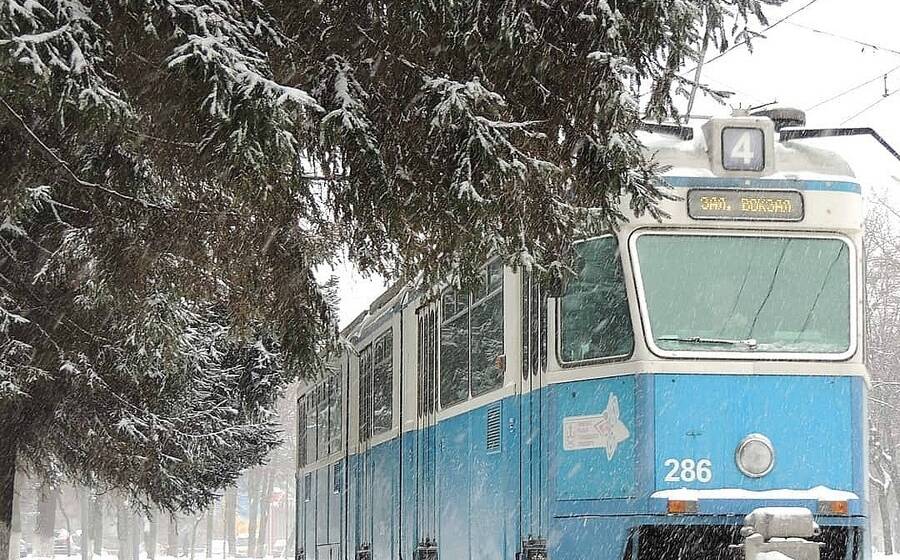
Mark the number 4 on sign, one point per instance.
(743, 148)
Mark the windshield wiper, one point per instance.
(750, 343)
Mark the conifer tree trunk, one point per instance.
(46, 520)
(228, 515)
(15, 551)
(137, 534)
(253, 489)
(262, 541)
(7, 497)
(193, 540)
(68, 521)
(172, 540)
(152, 535)
(210, 513)
(123, 531)
(84, 515)
(97, 524)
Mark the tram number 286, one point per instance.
(688, 470)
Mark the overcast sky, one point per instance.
(799, 68)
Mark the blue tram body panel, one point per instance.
(597, 418)
(453, 486)
(596, 494)
(384, 498)
(808, 419)
(477, 487)
(814, 423)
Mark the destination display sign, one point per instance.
(741, 204)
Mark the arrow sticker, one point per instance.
(605, 430)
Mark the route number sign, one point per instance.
(743, 149)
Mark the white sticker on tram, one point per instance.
(604, 430)
(688, 470)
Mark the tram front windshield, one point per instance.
(741, 293)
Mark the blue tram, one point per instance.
(693, 370)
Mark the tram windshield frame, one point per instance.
(688, 335)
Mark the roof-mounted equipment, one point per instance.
(804, 133)
(676, 130)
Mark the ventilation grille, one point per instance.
(493, 428)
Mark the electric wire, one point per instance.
(845, 38)
(736, 45)
(765, 29)
(854, 88)
(869, 107)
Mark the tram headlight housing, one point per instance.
(755, 456)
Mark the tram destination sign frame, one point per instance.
(746, 205)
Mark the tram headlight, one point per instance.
(755, 456)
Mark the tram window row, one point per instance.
(460, 347)
(320, 421)
(472, 340)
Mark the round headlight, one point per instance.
(755, 456)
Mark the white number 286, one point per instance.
(688, 470)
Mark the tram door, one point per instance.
(425, 486)
(363, 472)
(376, 490)
(301, 493)
(533, 410)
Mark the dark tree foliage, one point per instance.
(173, 172)
(457, 129)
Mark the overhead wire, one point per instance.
(854, 88)
(736, 45)
(845, 38)
(869, 107)
(765, 29)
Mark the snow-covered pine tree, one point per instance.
(173, 171)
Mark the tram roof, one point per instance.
(792, 159)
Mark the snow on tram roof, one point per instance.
(792, 159)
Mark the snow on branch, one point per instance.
(471, 110)
(63, 43)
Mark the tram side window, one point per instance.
(472, 339)
(335, 411)
(322, 406)
(487, 334)
(365, 393)
(455, 348)
(383, 395)
(311, 436)
(301, 432)
(534, 326)
(376, 378)
(595, 322)
(427, 338)
(422, 363)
